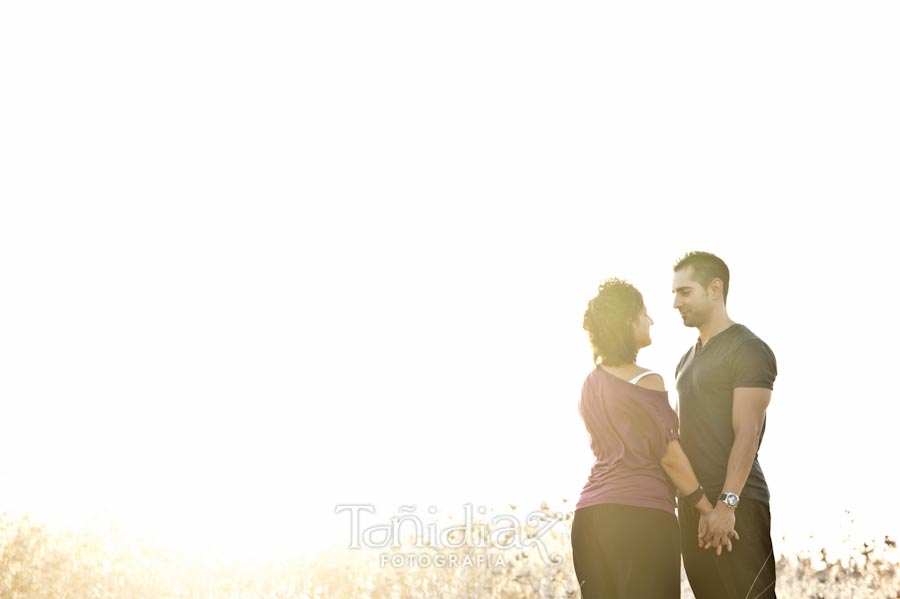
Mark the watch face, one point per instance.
(731, 500)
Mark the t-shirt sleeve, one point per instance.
(754, 365)
(664, 428)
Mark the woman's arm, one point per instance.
(675, 462)
(679, 470)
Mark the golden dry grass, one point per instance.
(36, 563)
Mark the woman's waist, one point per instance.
(630, 482)
(621, 470)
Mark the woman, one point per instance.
(625, 538)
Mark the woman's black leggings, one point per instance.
(626, 552)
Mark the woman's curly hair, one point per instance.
(609, 321)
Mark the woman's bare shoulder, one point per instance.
(652, 381)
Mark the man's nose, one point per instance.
(677, 302)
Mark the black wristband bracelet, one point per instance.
(695, 497)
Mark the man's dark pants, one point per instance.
(748, 572)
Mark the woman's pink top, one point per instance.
(630, 429)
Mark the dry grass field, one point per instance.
(37, 563)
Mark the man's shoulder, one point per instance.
(743, 334)
(684, 358)
(687, 353)
(745, 341)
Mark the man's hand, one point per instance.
(716, 529)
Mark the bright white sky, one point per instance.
(258, 259)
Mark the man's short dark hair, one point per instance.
(706, 268)
(609, 322)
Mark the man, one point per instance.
(724, 386)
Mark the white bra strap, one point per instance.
(640, 376)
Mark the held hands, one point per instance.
(716, 529)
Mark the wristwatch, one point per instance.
(730, 500)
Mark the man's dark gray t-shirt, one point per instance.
(706, 379)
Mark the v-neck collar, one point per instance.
(699, 348)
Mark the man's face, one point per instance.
(692, 300)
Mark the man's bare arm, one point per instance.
(747, 417)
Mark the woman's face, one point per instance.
(642, 328)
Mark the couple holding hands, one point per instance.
(626, 540)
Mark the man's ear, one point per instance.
(716, 288)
